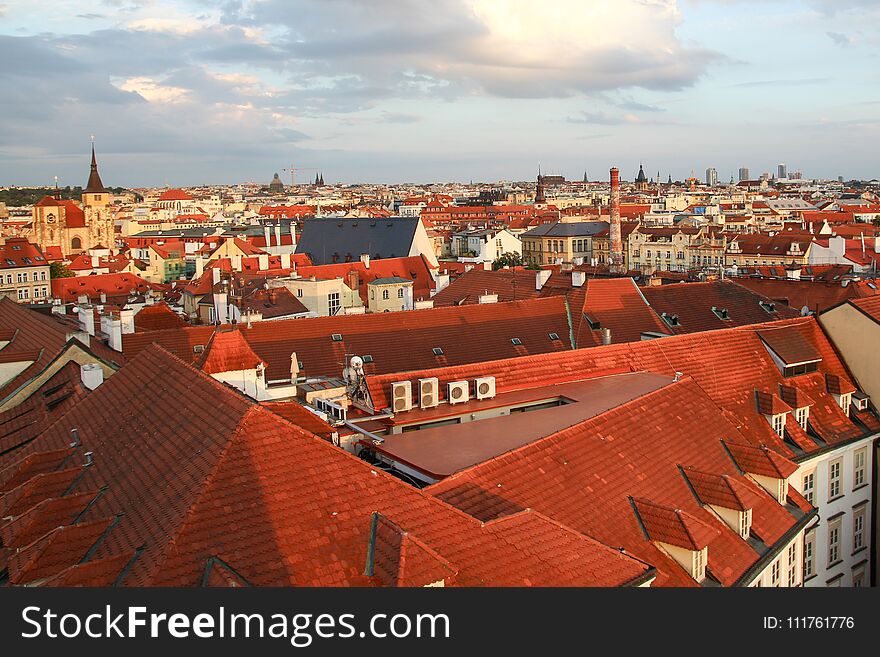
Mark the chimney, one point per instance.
(87, 319)
(285, 261)
(96, 261)
(263, 260)
(365, 258)
(103, 297)
(126, 319)
(215, 275)
(541, 277)
(488, 298)
(616, 246)
(278, 234)
(268, 236)
(354, 280)
(578, 278)
(113, 330)
(92, 375)
(294, 367)
(606, 336)
(487, 266)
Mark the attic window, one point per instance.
(671, 320)
(768, 306)
(801, 368)
(554, 336)
(198, 348)
(367, 359)
(699, 564)
(721, 313)
(778, 423)
(594, 324)
(745, 523)
(515, 341)
(336, 337)
(437, 351)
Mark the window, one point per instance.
(844, 403)
(699, 572)
(802, 415)
(858, 576)
(299, 292)
(22, 278)
(336, 337)
(400, 293)
(745, 523)
(834, 479)
(779, 423)
(834, 541)
(437, 351)
(385, 295)
(774, 573)
(515, 341)
(804, 368)
(809, 488)
(809, 554)
(43, 275)
(367, 359)
(76, 243)
(859, 528)
(792, 564)
(860, 457)
(333, 303)
(22, 293)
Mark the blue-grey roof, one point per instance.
(389, 281)
(347, 238)
(561, 229)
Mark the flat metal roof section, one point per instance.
(442, 451)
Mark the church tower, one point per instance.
(95, 205)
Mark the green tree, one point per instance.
(508, 260)
(59, 270)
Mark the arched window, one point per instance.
(400, 293)
(384, 294)
(76, 244)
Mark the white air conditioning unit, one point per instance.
(429, 391)
(485, 387)
(401, 396)
(458, 392)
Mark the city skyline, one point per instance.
(186, 93)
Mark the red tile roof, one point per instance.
(729, 364)
(673, 526)
(605, 461)
(788, 343)
(397, 341)
(113, 285)
(18, 252)
(692, 303)
(228, 352)
(157, 317)
(211, 484)
(721, 490)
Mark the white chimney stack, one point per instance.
(578, 278)
(92, 375)
(542, 277)
(278, 234)
(294, 367)
(365, 258)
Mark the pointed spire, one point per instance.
(94, 186)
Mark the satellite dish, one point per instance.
(357, 363)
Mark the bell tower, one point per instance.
(94, 195)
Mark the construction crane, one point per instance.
(294, 169)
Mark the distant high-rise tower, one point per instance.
(616, 247)
(711, 177)
(744, 174)
(782, 172)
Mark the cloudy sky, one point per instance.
(185, 92)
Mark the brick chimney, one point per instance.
(354, 279)
(616, 246)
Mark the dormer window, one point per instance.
(802, 415)
(745, 523)
(698, 572)
(671, 320)
(782, 491)
(778, 424)
(768, 306)
(721, 313)
(860, 401)
(844, 401)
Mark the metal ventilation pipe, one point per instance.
(606, 336)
